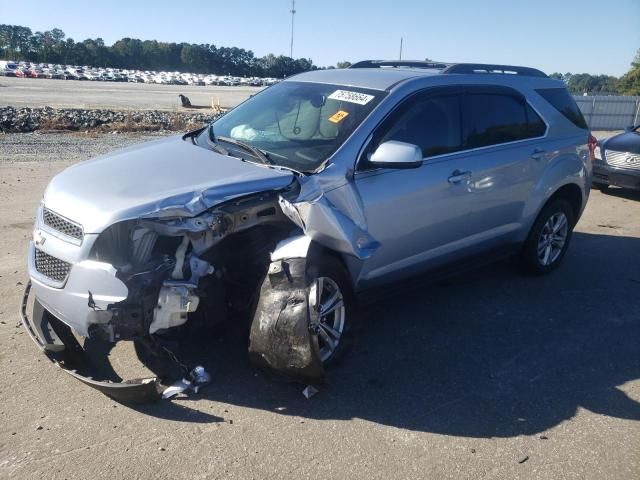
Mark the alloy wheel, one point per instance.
(326, 303)
(553, 238)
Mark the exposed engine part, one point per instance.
(131, 317)
(176, 298)
(142, 242)
(208, 221)
(180, 253)
(199, 268)
(175, 301)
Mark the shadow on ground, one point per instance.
(623, 193)
(491, 353)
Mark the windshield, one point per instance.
(296, 124)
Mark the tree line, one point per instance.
(627, 84)
(52, 46)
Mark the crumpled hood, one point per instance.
(167, 177)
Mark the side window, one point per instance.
(430, 122)
(535, 125)
(565, 104)
(491, 119)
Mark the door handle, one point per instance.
(537, 153)
(457, 176)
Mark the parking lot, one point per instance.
(487, 375)
(36, 92)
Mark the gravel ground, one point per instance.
(35, 147)
(45, 119)
(489, 375)
(36, 92)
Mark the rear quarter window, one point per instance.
(563, 102)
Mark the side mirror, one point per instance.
(394, 154)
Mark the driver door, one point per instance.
(421, 216)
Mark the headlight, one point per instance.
(596, 153)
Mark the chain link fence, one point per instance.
(609, 112)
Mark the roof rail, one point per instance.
(499, 69)
(398, 63)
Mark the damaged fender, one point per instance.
(280, 336)
(325, 223)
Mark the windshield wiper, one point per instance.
(256, 152)
(214, 146)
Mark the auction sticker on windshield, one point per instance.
(351, 97)
(338, 116)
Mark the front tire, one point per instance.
(332, 307)
(549, 238)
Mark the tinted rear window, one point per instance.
(492, 119)
(565, 104)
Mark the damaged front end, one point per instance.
(148, 279)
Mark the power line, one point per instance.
(293, 12)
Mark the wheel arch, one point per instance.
(572, 194)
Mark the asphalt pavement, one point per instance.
(490, 374)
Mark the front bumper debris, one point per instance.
(60, 346)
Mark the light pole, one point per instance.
(293, 12)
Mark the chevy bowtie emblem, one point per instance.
(629, 159)
(38, 238)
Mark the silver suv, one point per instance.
(313, 190)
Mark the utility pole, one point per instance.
(293, 12)
(400, 48)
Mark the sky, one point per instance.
(577, 36)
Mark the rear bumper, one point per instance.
(604, 174)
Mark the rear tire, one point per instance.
(549, 238)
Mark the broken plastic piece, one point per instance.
(56, 349)
(309, 391)
(197, 378)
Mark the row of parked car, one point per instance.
(76, 72)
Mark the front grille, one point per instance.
(61, 224)
(51, 267)
(623, 159)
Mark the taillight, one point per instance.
(592, 143)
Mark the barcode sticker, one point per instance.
(351, 97)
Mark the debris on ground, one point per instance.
(309, 391)
(198, 377)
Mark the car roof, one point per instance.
(373, 78)
(385, 74)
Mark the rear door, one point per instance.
(504, 138)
